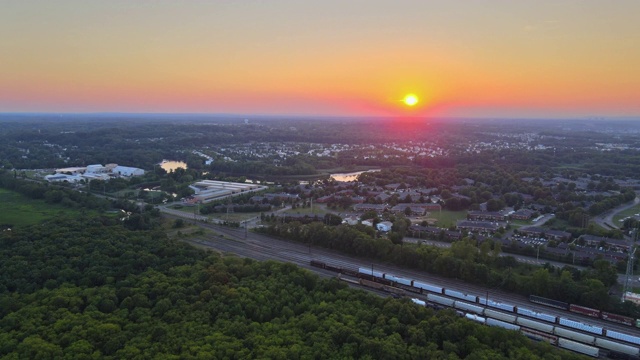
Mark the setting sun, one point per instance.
(410, 100)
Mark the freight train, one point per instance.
(585, 311)
(515, 315)
(535, 330)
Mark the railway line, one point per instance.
(261, 247)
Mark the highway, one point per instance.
(261, 247)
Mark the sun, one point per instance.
(410, 100)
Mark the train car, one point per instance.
(371, 284)
(549, 302)
(535, 325)
(618, 347)
(332, 268)
(501, 306)
(419, 302)
(476, 318)
(428, 287)
(350, 272)
(499, 315)
(394, 290)
(370, 272)
(584, 310)
(397, 279)
(617, 318)
(495, 304)
(317, 263)
(578, 347)
(459, 295)
(580, 326)
(367, 277)
(502, 324)
(440, 300)
(535, 314)
(539, 335)
(464, 306)
(384, 281)
(409, 288)
(622, 336)
(574, 335)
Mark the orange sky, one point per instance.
(570, 58)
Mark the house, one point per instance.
(476, 225)
(612, 244)
(550, 234)
(384, 226)
(429, 206)
(415, 210)
(486, 215)
(368, 222)
(379, 208)
(324, 199)
(350, 220)
(522, 214)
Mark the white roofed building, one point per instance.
(127, 171)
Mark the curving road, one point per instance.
(606, 220)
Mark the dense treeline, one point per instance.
(465, 261)
(86, 289)
(54, 194)
(133, 217)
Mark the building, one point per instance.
(379, 208)
(486, 215)
(210, 190)
(384, 226)
(612, 244)
(429, 206)
(402, 208)
(522, 214)
(548, 233)
(71, 170)
(477, 225)
(127, 171)
(63, 177)
(99, 172)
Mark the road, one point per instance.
(606, 220)
(261, 247)
(249, 223)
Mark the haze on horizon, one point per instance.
(497, 58)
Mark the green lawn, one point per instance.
(447, 218)
(18, 210)
(623, 214)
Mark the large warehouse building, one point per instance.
(210, 190)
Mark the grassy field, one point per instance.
(447, 218)
(18, 210)
(623, 214)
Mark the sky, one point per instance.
(490, 58)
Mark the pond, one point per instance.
(171, 165)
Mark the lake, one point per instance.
(171, 165)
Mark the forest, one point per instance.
(469, 262)
(89, 288)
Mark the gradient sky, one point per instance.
(511, 58)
